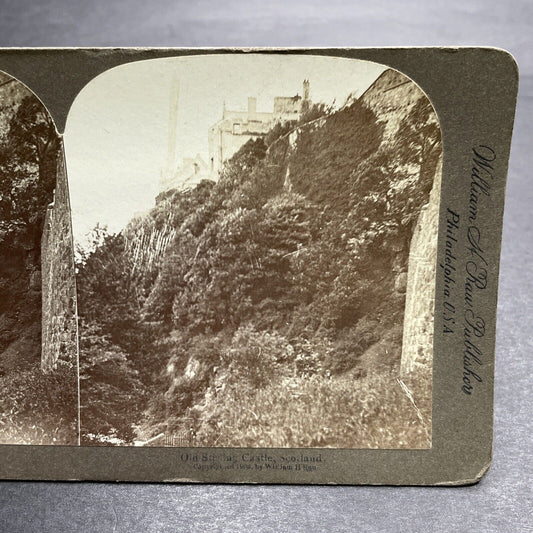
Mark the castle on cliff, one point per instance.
(190, 172)
(226, 136)
(235, 128)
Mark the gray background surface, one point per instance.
(503, 501)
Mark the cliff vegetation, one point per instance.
(265, 309)
(34, 408)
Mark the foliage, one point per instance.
(271, 317)
(304, 412)
(279, 130)
(420, 135)
(37, 408)
(112, 394)
(315, 111)
(28, 159)
(322, 166)
(114, 341)
(256, 357)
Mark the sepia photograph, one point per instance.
(221, 251)
(255, 246)
(38, 343)
(263, 266)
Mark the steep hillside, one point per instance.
(27, 177)
(34, 408)
(267, 309)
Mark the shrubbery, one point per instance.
(272, 318)
(37, 408)
(34, 408)
(312, 411)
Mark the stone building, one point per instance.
(235, 128)
(191, 172)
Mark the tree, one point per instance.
(419, 137)
(28, 160)
(112, 394)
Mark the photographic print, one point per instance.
(255, 253)
(270, 266)
(38, 354)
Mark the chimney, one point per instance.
(252, 104)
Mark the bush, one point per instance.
(351, 344)
(37, 408)
(311, 411)
(257, 357)
(112, 395)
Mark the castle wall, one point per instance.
(391, 97)
(417, 344)
(59, 328)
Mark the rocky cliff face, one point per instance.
(23, 197)
(11, 94)
(59, 330)
(37, 406)
(392, 97)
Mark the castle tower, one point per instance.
(306, 90)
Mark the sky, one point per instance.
(117, 131)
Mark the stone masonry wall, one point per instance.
(417, 345)
(59, 328)
(391, 97)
